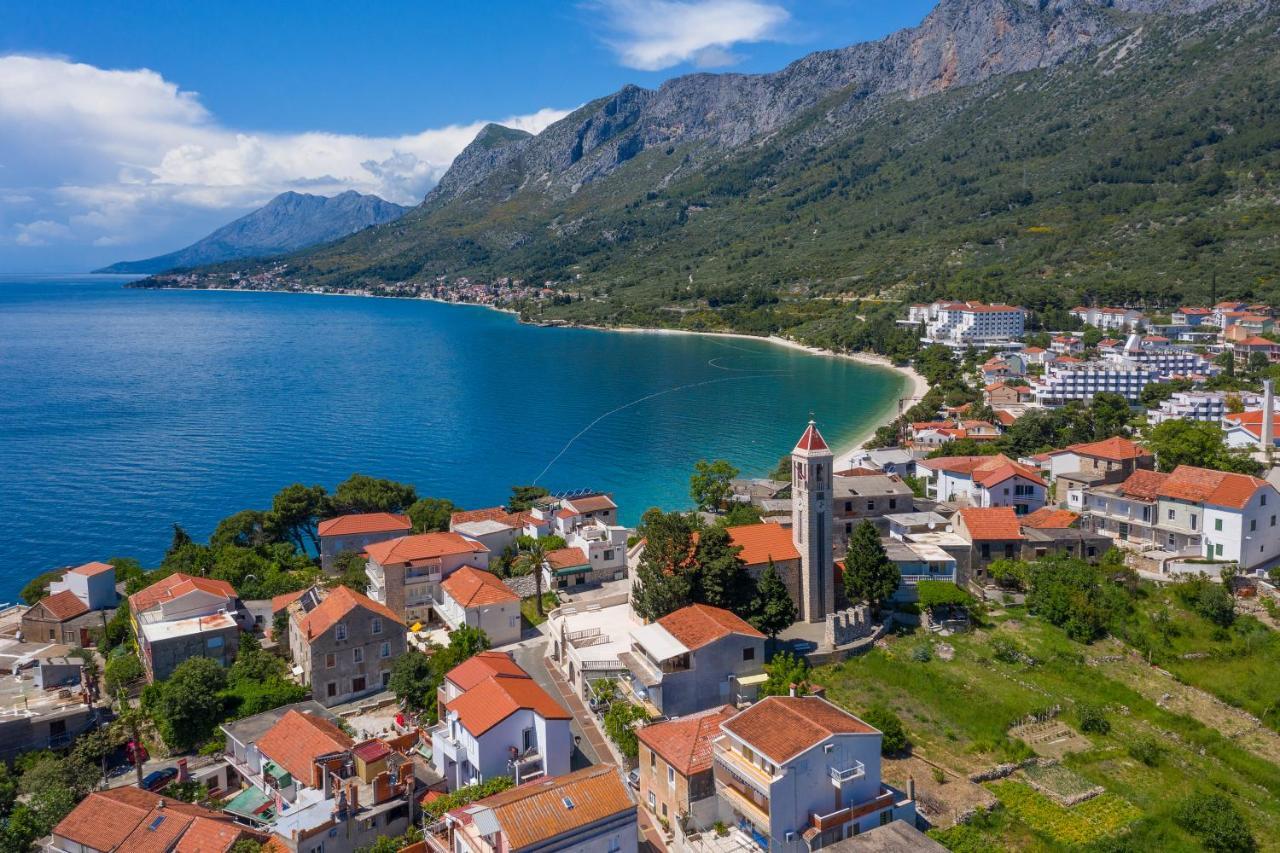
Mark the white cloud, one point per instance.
(107, 156)
(654, 34)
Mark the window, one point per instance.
(1217, 550)
(357, 684)
(357, 655)
(749, 653)
(375, 626)
(526, 740)
(1264, 499)
(608, 555)
(330, 660)
(871, 505)
(385, 651)
(1171, 513)
(340, 631)
(653, 801)
(331, 689)
(653, 760)
(671, 776)
(1217, 524)
(893, 503)
(1193, 522)
(664, 809)
(1253, 524)
(214, 642)
(848, 506)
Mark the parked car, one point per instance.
(633, 778)
(157, 780)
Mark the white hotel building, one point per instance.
(1125, 374)
(1109, 318)
(963, 324)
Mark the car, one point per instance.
(802, 647)
(158, 780)
(633, 779)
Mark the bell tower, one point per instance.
(811, 485)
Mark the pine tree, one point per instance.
(721, 578)
(772, 610)
(869, 574)
(663, 580)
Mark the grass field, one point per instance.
(957, 713)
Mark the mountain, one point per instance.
(288, 222)
(1050, 152)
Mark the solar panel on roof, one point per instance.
(155, 823)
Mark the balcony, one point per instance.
(841, 775)
(746, 802)
(738, 764)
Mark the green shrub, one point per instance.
(1146, 749)
(1092, 719)
(895, 736)
(1214, 820)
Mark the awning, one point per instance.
(753, 680)
(417, 626)
(573, 570)
(658, 642)
(250, 803)
(282, 777)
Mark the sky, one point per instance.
(130, 128)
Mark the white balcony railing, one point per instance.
(840, 775)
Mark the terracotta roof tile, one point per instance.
(536, 812)
(591, 503)
(763, 542)
(498, 697)
(1047, 518)
(477, 588)
(119, 819)
(366, 522)
(423, 546)
(1116, 449)
(701, 624)
(567, 558)
(987, 524)
(211, 836)
(1205, 485)
(91, 569)
(296, 740)
(782, 727)
(811, 440)
(280, 602)
(985, 470)
(685, 742)
(481, 666)
(1143, 484)
(336, 606)
(63, 605)
(175, 586)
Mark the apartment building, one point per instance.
(182, 617)
(77, 607)
(866, 497)
(588, 523)
(800, 774)
(964, 324)
(405, 573)
(1127, 511)
(1190, 316)
(1191, 406)
(1066, 381)
(993, 533)
(479, 599)
(675, 768)
(1110, 318)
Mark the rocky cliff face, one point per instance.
(960, 43)
(288, 222)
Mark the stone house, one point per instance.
(355, 532)
(182, 617)
(78, 605)
(344, 643)
(674, 759)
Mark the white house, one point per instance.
(984, 481)
(803, 774)
(405, 573)
(1234, 515)
(480, 599)
(496, 721)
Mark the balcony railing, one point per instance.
(742, 799)
(840, 775)
(932, 576)
(738, 763)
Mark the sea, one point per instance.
(125, 411)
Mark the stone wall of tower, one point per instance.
(811, 487)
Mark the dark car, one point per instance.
(156, 780)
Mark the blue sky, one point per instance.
(131, 128)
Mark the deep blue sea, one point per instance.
(123, 411)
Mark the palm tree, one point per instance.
(534, 558)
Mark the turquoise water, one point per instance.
(124, 411)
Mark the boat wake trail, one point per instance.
(645, 398)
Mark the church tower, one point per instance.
(811, 486)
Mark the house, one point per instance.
(1050, 518)
(984, 481)
(1233, 516)
(917, 561)
(692, 659)
(354, 533)
(1125, 512)
(587, 642)
(1081, 466)
(181, 617)
(589, 810)
(887, 460)
(405, 573)
(1037, 355)
(802, 774)
(1190, 316)
(994, 533)
(868, 496)
(1245, 347)
(498, 536)
(480, 599)
(1066, 345)
(586, 522)
(1245, 429)
(78, 605)
(999, 394)
(343, 643)
(313, 787)
(497, 721)
(926, 435)
(131, 819)
(675, 768)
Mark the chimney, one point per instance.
(353, 792)
(791, 691)
(1268, 415)
(911, 788)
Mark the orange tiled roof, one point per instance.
(64, 605)
(477, 588)
(498, 697)
(481, 666)
(591, 503)
(206, 835)
(493, 513)
(175, 586)
(812, 439)
(1048, 518)
(999, 523)
(1205, 485)
(296, 740)
(700, 624)
(536, 812)
(782, 727)
(1116, 449)
(423, 546)
(280, 602)
(685, 742)
(118, 819)
(91, 569)
(985, 470)
(989, 476)
(1143, 484)
(567, 558)
(336, 606)
(763, 542)
(365, 522)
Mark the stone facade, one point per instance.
(846, 626)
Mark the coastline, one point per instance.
(915, 384)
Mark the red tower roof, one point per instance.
(811, 440)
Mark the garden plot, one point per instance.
(1085, 823)
(1060, 783)
(1050, 738)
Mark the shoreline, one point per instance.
(915, 384)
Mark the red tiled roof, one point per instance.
(336, 606)
(1143, 484)
(477, 588)
(209, 835)
(685, 742)
(700, 624)
(985, 524)
(296, 740)
(1049, 518)
(535, 812)
(91, 569)
(782, 727)
(567, 558)
(493, 513)
(858, 472)
(812, 439)
(280, 602)
(423, 546)
(370, 751)
(1254, 341)
(763, 542)
(175, 586)
(987, 471)
(1205, 485)
(591, 503)
(1116, 449)
(120, 819)
(498, 697)
(989, 477)
(64, 605)
(367, 522)
(1005, 418)
(481, 666)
